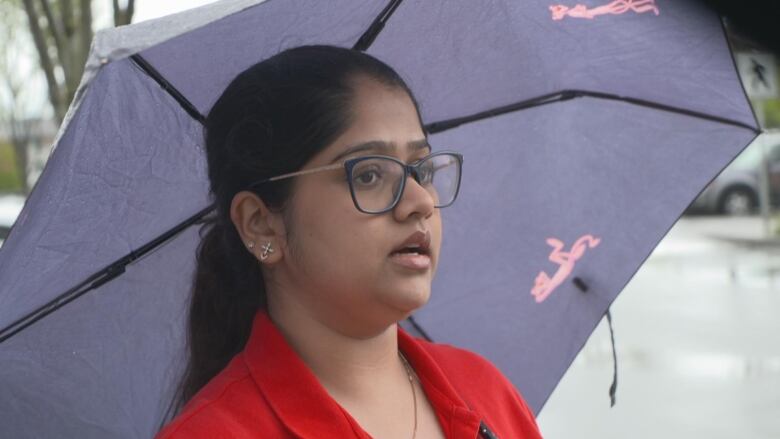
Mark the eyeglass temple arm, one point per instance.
(304, 172)
(307, 171)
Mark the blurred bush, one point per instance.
(9, 175)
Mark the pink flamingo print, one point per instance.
(559, 12)
(544, 285)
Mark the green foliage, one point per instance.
(9, 176)
(772, 113)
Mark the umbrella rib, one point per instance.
(188, 107)
(368, 37)
(565, 95)
(92, 282)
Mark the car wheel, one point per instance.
(738, 201)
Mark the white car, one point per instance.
(736, 190)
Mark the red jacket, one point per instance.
(267, 391)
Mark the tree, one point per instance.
(62, 33)
(16, 104)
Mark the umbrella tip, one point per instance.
(580, 284)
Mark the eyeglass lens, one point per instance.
(376, 181)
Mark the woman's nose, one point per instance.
(415, 199)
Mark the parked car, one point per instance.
(736, 190)
(10, 207)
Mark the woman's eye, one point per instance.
(366, 178)
(426, 174)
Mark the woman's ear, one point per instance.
(261, 229)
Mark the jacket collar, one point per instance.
(305, 407)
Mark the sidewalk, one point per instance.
(743, 230)
(693, 334)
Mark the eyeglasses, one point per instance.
(377, 182)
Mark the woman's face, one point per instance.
(340, 262)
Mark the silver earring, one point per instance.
(250, 244)
(266, 250)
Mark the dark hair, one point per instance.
(270, 120)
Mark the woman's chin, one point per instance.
(409, 301)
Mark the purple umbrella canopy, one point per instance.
(586, 130)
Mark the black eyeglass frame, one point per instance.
(409, 169)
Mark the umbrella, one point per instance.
(586, 130)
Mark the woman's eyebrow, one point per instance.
(382, 147)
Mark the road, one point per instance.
(698, 341)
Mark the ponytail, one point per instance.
(227, 291)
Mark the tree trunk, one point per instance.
(62, 33)
(47, 65)
(123, 16)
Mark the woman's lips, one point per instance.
(414, 261)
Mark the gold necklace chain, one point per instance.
(414, 393)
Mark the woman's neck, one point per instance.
(358, 368)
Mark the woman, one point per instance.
(327, 234)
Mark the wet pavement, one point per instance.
(698, 341)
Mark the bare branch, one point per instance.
(67, 18)
(129, 11)
(86, 26)
(123, 16)
(39, 40)
(78, 46)
(117, 12)
(55, 28)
